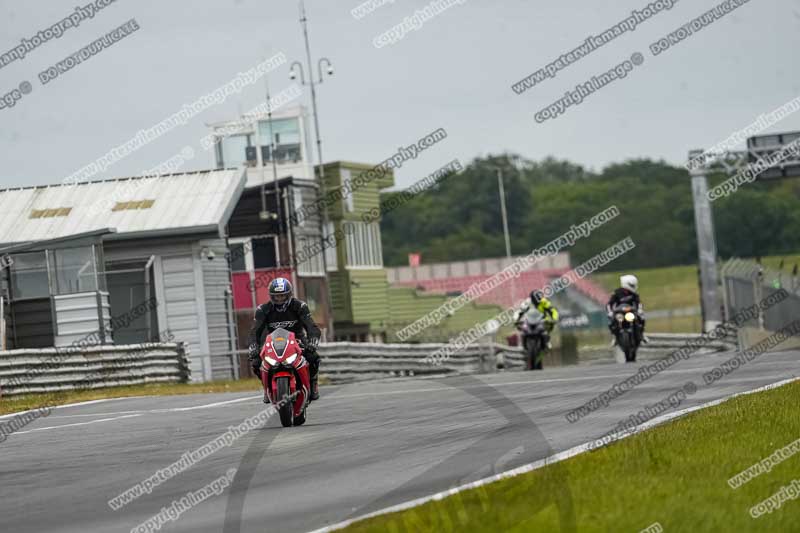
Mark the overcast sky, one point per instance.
(454, 72)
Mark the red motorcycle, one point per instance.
(286, 377)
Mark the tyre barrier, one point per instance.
(63, 369)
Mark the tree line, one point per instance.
(460, 218)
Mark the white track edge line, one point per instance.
(74, 424)
(162, 410)
(77, 404)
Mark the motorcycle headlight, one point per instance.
(292, 359)
(271, 361)
(620, 318)
(630, 317)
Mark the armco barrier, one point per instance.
(91, 367)
(660, 346)
(351, 361)
(50, 370)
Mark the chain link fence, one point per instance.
(745, 284)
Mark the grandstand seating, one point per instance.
(502, 295)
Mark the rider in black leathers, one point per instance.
(627, 294)
(285, 311)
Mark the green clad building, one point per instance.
(365, 307)
(358, 283)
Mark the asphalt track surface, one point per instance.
(364, 447)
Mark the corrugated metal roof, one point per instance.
(183, 202)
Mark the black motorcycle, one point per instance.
(628, 330)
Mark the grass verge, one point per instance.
(13, 404)
(23, 402)
(675, 474)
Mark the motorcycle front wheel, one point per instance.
(533, 356)
(286, 409)
(626, 344)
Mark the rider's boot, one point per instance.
(256, 366)
(314, 379)
(314, 387)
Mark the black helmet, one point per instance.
(280, 293)
(536, 297)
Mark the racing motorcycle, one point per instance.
(628, 330)
(533, 332)
(286, 376)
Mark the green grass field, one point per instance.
(680, 324)
(676, 287)
(774, 262)
(660, 288)
(677, 324)
(675, 474)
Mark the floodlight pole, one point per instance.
(323, 214)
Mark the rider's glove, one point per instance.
(253, 352)
(312, 343)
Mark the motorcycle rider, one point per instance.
(545, 307)
(626, 294)
(285, 311)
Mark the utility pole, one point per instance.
(503, 211)
(504, 215)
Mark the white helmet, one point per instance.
(629, 282)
